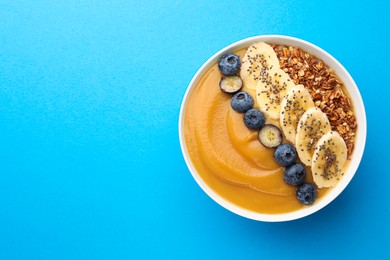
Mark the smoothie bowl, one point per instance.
(272, 128)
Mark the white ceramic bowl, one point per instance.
(359, 143)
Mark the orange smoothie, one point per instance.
(229, 157)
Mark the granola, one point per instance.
(326, 89)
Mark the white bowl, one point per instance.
(359, 142)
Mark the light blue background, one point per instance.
(90, 162)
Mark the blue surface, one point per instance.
(90, 162)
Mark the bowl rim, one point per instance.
(359, 142)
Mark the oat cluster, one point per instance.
(326, 89)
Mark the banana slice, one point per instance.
(328, 160)
(258, 59)
(311, 127)
(271, 90)
(294, 105)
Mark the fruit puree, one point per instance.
(229, 157)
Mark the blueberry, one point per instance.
(230, 84)
(285, 154)
(306, 193)
(270, 136)
(229, 64)
(242, 102)
(254, 119)
(295, 174)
